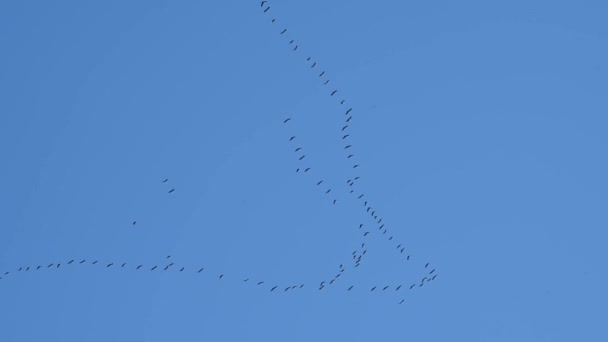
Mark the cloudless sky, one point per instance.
(480, 129)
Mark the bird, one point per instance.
(287, 288)
(402, 249)
(110, 264)
(398, 246)
(346, 136)
(260, 283)
(427, 265)
(37, 268)
(432, 271)
(123, 264)
(319, 182)
(138, 267)
(297, 149)
(272, 289)
(325, 83)
(298, 170)
(321, 74)
(373, 288)
(166, 268)
(286, 120)
(390, 238)
(355, 166)
(313, 64)
(401, 302)
(408, 257)
(301, 286)
(295, 48)
(350, 156)
(182, 269)
(262, 3)
(360, 225)
(348, 111)
(386, 287)
(435, 276)
(285, 30)
(332, 281)
(382, 226)
(153, 268)
(348, 146)
(334, 201)
(165, 180)
(27, 269)
(245, 280)
(267, 8)
(134, 222)
(20, 268)
(356, 178)
(291, 42)
(221, 276)
(342, 102)
(290, 139)
(349, 118)
(302, 157)
(360, 196)
(365, 233)
(308, 58)
(306, 170)
(170, 191)
(350, 288)
(345, 127)
(58, 265)
(273, 20)
(328, 190)
(333, 93)
(398, 287)
(411, 287)
(82, 261)
(94, 262)
(168, 256)
(200, 270)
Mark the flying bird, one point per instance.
(297, 149)
(70, 262)
(134, 222)
(356, 179)
(58, 265)
(37, 268)
(262, 3)
(272, 289)
(201, 270)
(290, 139)
(333, 93)
(348, 146)
(350, 156)
(401, 302)
(286, 120)
(355, 166)
(386, 287)
(123, 264)
(246, 280)
(427, 265)
(348, 111)
(94, 262)
(170, 191)
(411, 287)
(373, 288)
(260, 283)
(398, 287)
(365, 233)
(181, 269)
(346, 136)
(319, 182)
(165, 180)
(325, 83)
(82, 261)
(334, 201)
(221, 276)
(306, 170)
(408, 257)
(313, 64)
(349, 118)
(360, 196)
(432, 271)
(350, 288)
(302, 157)
(153, 268)
(285, 30)
(295, 48)
(345, 127)
(342, 102)
(267, 8)
(291, 42)
(138, 267)
(321, 74)
(360, 225)
(327, 191)
(166, 268)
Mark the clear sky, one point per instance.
(479, 128)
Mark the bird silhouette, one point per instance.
(200, 270)
(286, 120)
(260, 283)
(221, 276)
(325, 83)
(321, 74)
(398, 287)
(373, 288)
(165, 180)
(82, 261)
(411, 287)
(285, 30)
(307, 169)
(319, 182)
(94, 262)
(153, 268)
(365, 233)
(274, 288)
(346, 136)
(267, 8)
(348, 146)
(182, 269)
(290, 139)
(297, 149)
(348, 111)
(350, 156)
(386, 287)
(401, 302)
(427, 265)
(345, 127)
(313, 64)
(432, 271)
(262, 3)
(123, 264)
(138, 267)
(360, 196)
(170, 191)
(333, 93)
(350, 288)
(327, 191)
(302, 157)
(355, 166)
(110, 264)
(342, 102)
(349, 118)
(134, 222)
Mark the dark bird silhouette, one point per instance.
(334, 201)
(360, 225)
(328, 190)
(348, 111)
(153, 268)
(427, 265)
(94, 262)
(221, 276)
(408, 257)
(297, 149)
(365, 233)
(350, 288)
(411, 287)
(298, 170)
(200, 270)
(382, 226)
(6, 273)
(165, 180)
(348, 146)
(368, 209)
(27, 269)
(398, 287)
(325, 83)
(82, 261)
(350, 156)
(123, 264)
(349, 118)
(390, 238)
(267, 8)
(260, 283)
(355, 166)
(373, 288)
(386, 287)
(20, 268)
(274, 288)
(302, 157)
(246, 280)
(319, 182)
(360, 196)
(166, 268)
(321, 74)
(308, 58)
(286, 120)
(262, 3)
(58, 265)
(138, 267)
(402, 249)
(50, 265)
(295, 48)
(356, 178)
(306, 170)
(333, 93)
(313, 64)
(71, 261)
(342, 102)
(37, 268)
(332, 281)
(168, 256)
(290, 139)
(432, 271)
(170, 191)
(285, 30)
(134, 222)
(346, 136)
(401, 302)
(345, 127)
(182, 269)
(287, 288)
(301, 286)
(291, 42)
(435, 276)
(273, 20)
(398, 246)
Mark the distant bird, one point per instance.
(153, 268)
(390, 238)
(168, 256)
(200, 270)
(349, 118)
(435, 276)
(82, 261)
(274, 288)
(362, 245)
(348, 111)
(27, 269)
(260, 283)
(350, 288)
(398, 287)
(368, 209)
(297, 149)
(350, 156)
(262, 4)
(401, 302)
(427, 265)
(6, 273)
(50, 265)
(134, 222)
(360, 196)
(306, 170)
(170, 191)
(285, 30)
(165, 180)
(267, 8)
(321, 74)
(382, 226)
(110, 264)
(348, 146)
(332, 281)
(373, 288)
(290, 139)
(334, 201)
(327, 191)
(313, 64)
(286, 120)
(398, 246)
(346, 136)
(301, 286)
(432, 271)
(365, 233)
(302, 157)
(20, 268)
(402, 249)
(365, 251)
(182, 269)
(360, 225)
(246, 280)
(298, 170)
(355, 166)
(386, 287)
(273, 20)
(345, 127)
(380, 220)
(319, 182)
(138, 267)
(37, 268)
(287, 288)
(58, 265)
(291, 42)
(408, 257)
(166, 268)
(356, 179)
(123, 264)
(333, 93)
(411, 287)
(342, 102)
(308, 58)
(70, 262)
(325, 83)
(94, 262)
(221, 276)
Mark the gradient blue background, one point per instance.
(480, 127)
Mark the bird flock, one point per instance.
(375, 226)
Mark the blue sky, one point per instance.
(479, 129)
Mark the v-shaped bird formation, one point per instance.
(305, 158)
